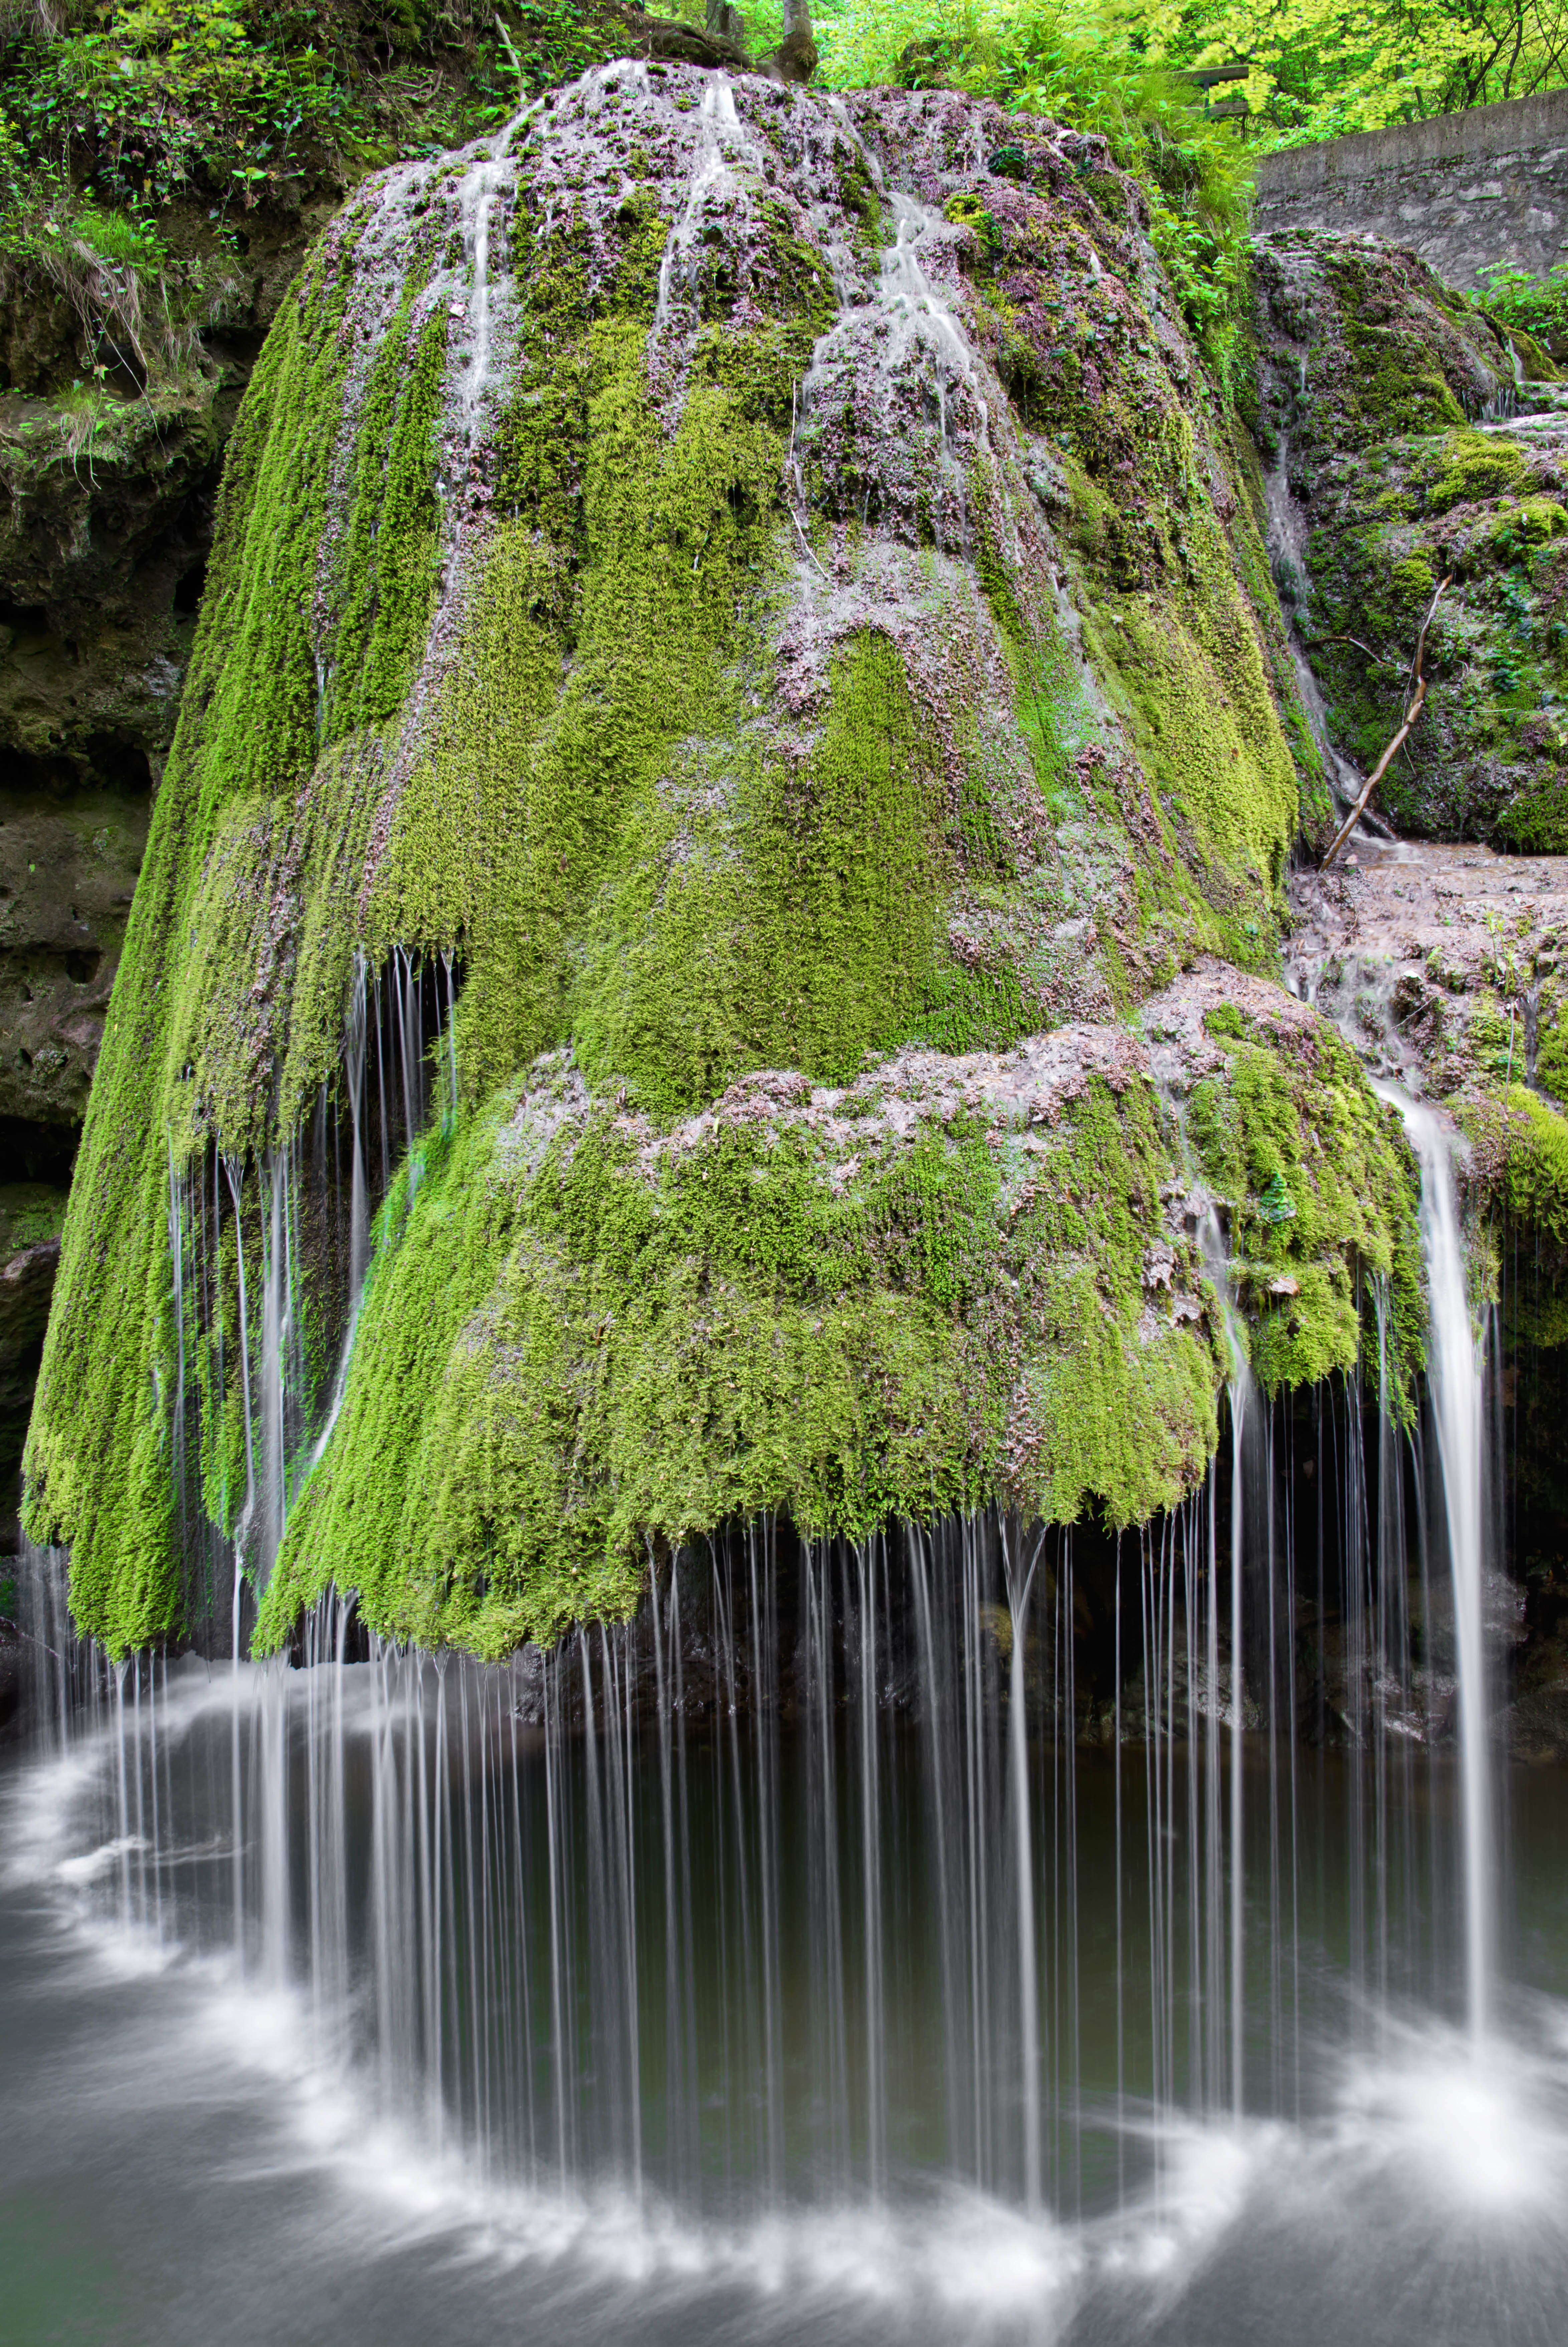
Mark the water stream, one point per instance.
(1455, 1385)
(948, 1937)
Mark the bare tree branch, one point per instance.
(1387, 760)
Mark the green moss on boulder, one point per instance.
(684, 622)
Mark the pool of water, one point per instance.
(204, 2136)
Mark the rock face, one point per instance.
(752, 596)
(1390, 425)
(105, 521)
(1445, 966)
(109, 476)
(1468, 190)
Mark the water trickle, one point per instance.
(481, 185)
(1359, 999)
(717, 124)
(1242, 1397)
(254, 1400)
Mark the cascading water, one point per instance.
(844, 1880)
(973, 1929)
(1455, 1385)
(1455, 1391)
(263, 1338)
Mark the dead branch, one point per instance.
(1386, 761)
(1371, 655)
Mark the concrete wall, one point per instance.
(1464, 189)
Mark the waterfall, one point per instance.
(1456, 1406)
(269, 1254)
(798, 1886)
(1454, 1379)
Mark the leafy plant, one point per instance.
(151, 99)
(1526, 305)
(1318, 68)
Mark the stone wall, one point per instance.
(1464, 190)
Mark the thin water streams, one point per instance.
(802, 1960)
(969, 1921)
(960, 1934)
(270, 1259)
(1455, 1391)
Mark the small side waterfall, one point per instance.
(1455, 1384)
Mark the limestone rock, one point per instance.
(634, 602)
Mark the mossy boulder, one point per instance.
(810, 669)
(959, 1279)
(1402, 452)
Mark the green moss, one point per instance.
(1552, 1041)
(1205, 720)
(1413, 583)
(689, 805)
(1471, 470)
(1533, 1140)
(799, 927)
(1538, 520)
(1323, 1196)
(626, 1341)
(389, 558)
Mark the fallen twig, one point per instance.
(1380, 658)
(1386, 761)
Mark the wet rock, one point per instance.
(1402, 451)
(1437, 957)
(649, 598)
(27, 1267)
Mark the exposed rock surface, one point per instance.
(1466, 189)
(1402, 451)
(1448, 959)
(1446, 965)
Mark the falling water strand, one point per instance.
(1454, 1375)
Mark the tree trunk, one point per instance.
(794, 59)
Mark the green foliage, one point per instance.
(136, 140)
(1537, 306)
(150, 98)
(1318, 69)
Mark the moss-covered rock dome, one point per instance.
(754, 597)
